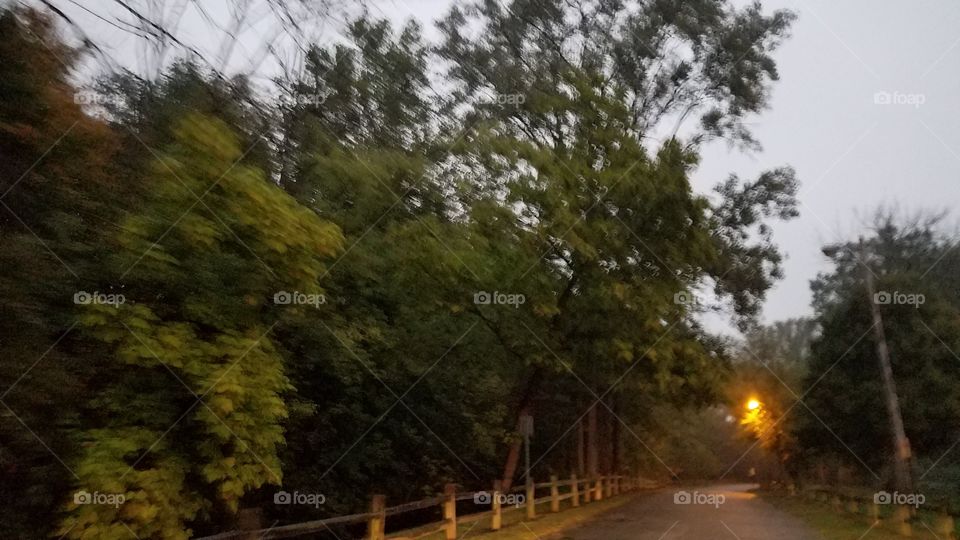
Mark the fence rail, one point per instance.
(864, 502)
(577, 490)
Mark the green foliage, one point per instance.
(58, 187)
(397, 204)
(907, 256)
(770, 367)
(217, 269)
(156, 499)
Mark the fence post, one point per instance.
(587, 490)
(873, 512)
(853, 506)
(599, 489)
(575, 489)
(554, 494)
(608, 488)
(901, 520)
(450, 510)
(496, 520)
(943, 525)
(836, 503)
(376, 527)
(531, 499)
(250, 519)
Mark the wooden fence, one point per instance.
(578, 491)
(895, 517)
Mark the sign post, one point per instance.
(526, 429)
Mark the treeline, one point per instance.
(826, 393)
(361, 284)
(914, 262)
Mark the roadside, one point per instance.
(832, 525)
(517, 527)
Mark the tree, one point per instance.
(913, 263)
(190, 419)
(770, 368)
(59, 193)
(564, 98)
(359, 286)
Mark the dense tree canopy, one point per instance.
(361, 283)
(910, 259)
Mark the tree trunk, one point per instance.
(592, 441)
(525, 407)
(581, 464)
(603, 439)
(614, 442)
(513, 454)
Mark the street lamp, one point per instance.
(757, 420)
(901, 444)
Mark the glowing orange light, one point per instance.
(753, 404)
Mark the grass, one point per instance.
(516, 527)
(832, 525)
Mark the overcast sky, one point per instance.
(829, 118)
(852, 152)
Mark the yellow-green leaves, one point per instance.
(216, 237)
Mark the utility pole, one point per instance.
(901, 444)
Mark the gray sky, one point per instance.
(852, 150)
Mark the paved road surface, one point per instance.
(739, 516)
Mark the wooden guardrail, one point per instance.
(864, 502)
(578, 491)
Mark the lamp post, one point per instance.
(757, 419)
(901, 444)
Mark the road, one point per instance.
(710, 513)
